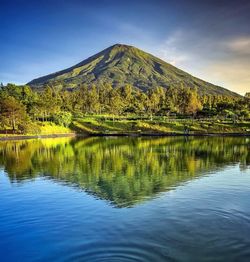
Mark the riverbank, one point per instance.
(97, 126)
(19, 137)
(23, 137)
(159, 126)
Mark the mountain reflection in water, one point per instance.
(123, 171)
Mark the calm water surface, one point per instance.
(125, 199)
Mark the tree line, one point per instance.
(21, 107)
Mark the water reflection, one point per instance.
(123, 171)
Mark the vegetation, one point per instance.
(123, 171)
(122, 90)
(103, 109)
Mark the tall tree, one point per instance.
(13, 113)
(115, 102)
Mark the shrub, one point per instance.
(63, 118)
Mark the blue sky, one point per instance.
(209, 39)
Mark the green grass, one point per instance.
(95, 124)
(46, 128)
(100, 125)
(51, 128)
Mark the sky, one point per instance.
(206, 38)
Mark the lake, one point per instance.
(125, 199)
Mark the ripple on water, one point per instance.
(110, 252)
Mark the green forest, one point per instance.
(104, 109)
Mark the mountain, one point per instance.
(123, 64)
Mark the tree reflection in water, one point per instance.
(122, 170)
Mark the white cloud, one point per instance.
(240, 45)
(225, 62)
(169, 50)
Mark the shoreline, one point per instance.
(24, 137)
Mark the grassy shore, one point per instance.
(96, 125)
(47, 129)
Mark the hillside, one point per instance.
(123, 64)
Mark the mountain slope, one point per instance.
(123, 64)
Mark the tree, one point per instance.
(28, 97)
(13, 90)
(67, 101)
(13, 113)
(193, 103)
(139, 102)
(189, 102)
(171, 100)
(63, 118)
(83, 98)
(115, 102)
(49, 103)
(126, 94)
(93, 100)
(247, 95)
(104, 90)
(155, 99)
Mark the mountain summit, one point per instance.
(123, 64)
